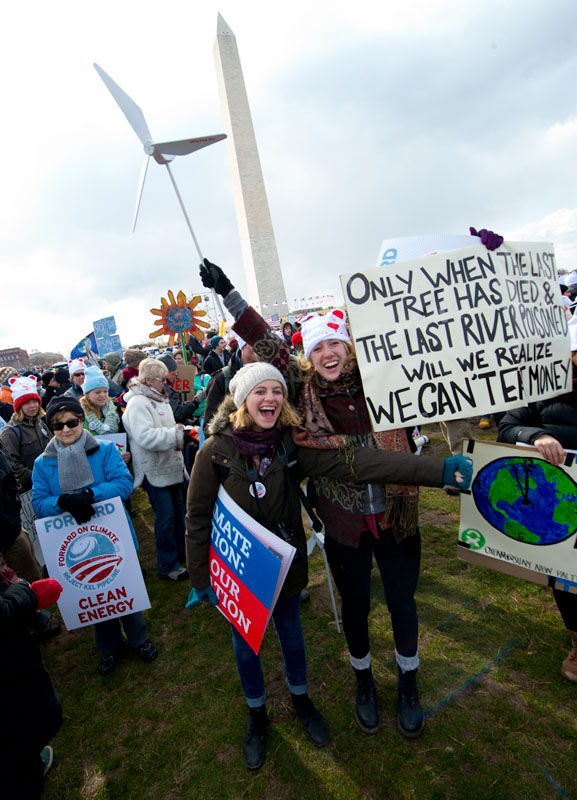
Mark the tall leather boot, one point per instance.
(410, 717)
(366, 708)
(569, 666)
(253, 748)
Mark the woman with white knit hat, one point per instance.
(251, 453)
(378, 521)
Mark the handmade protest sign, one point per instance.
(184, 383)
(119, 440)
(248, 566)
(458, 334)
(107, 339)
(96, 564)
(520, 516)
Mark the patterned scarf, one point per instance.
(401, 501)
(251, 443)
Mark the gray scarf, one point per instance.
(73, 468)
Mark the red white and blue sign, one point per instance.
(96, 563)
(248, 566)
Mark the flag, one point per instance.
(86, 348)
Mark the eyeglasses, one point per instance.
(70, 423)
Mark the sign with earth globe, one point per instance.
(520, 516)
(527, 499)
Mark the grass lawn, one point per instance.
(501, 722)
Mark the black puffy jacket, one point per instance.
(557, 417)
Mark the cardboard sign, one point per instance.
(459, 334)
(520, 516)
(96, 564)
(184, 383)
(119, 440)
(248, 566)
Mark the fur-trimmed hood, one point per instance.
(221, 419)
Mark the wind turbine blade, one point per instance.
(143, 172)
(131, 111)
(185, 146)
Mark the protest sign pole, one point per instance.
(198, 250)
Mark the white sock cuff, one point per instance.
(407, 663)
(361, 663)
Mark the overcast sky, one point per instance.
(372, 120)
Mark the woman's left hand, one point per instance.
(125, 457)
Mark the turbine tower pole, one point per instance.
(259, 252)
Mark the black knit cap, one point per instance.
(62, 403)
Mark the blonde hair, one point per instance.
(151, 368)
(308, 370)
(19, 415)
(288, 417)
(89, 407)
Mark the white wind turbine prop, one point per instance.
(162, 152)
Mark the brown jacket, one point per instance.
(23, 442)
(281, 501)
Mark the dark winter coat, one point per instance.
(23, 441)
(556, 417)
(217, 387)
(212, 362)
(281, 501)
(29, 705)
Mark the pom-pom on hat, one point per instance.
(296, 338)
(76, 365)
(23, 390)
(250, 376)
(94, 378)
(317, 329)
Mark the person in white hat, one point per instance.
(250, 453)
(77, 371)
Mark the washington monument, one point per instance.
(266, 290)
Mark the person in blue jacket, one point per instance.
(75, 471)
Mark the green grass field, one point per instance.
(501, 721)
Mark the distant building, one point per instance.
(14, 357)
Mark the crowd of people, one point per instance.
(277, 407)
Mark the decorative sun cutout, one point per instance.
(179, 317)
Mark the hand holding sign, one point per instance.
(490, 239)
(458, 472)
(213, 277)
(196, 597)
(78, 505)
(47, 591)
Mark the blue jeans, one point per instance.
(168, 506)
(108, 634)
(287, 624)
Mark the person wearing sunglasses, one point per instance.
(75, 471)
(77, 372)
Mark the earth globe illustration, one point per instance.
(527, 499)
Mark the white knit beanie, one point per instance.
(250, 376)
(76, 365)
(317, 329)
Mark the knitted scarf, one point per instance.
(251, 443)
(107, 423)
(401, 501)
(74, 470)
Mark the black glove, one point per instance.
(490, 239)
(88, 494)
(214, 278)
(77, 505)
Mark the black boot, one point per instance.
(410, 717)
(366, 709)
(253, 749)
(311, 718)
